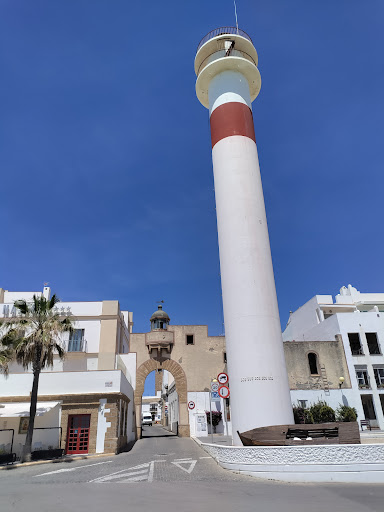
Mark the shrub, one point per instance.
(302, 415)
(322, 412)
(216, 418)
(346, 413)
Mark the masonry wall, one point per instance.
(329, 353)
(201, 361)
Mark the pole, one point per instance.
(210, 410)
(237, 25)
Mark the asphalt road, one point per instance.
(165, 473)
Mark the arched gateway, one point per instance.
(193, 358)
(181, 387)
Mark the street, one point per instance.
(164, 472)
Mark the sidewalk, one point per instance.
(372, 437)
(66, 458)
(217, 439)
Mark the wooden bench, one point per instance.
(303, 434)
(365, 423)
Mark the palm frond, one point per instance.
(22, 306)
(34, 336)
(53, 301)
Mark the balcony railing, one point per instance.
(77, 345)
(374, 351)
(224, 53)
(357, 351)
(222, 31)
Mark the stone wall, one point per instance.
(330, 354)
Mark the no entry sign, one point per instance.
(224, 392)
(191, 405)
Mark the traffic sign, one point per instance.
(191, 405)
(215, 397)
(222, 378)
(215, 386)
(224, 392)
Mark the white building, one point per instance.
(85, 402)
(357, 320)
(153, 406)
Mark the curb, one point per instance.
(55, 461)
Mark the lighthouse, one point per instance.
(228, 80)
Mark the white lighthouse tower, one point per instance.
(227, 82)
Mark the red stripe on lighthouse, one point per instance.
(229, 119)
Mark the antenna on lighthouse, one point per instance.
(237, 25)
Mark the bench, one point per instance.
(365, 423)
(303, 434)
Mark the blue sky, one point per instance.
(107, 187)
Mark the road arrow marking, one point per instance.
(192, 464)
(65, 470)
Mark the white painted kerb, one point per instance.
(354, 463)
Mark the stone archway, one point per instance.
(181, 387)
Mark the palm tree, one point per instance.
(32, 338)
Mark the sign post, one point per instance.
(210, 413)
(222, 378)
(213, 396)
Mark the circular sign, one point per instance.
(224, 392)
(215, 386)
(222, 378)
(191, 405)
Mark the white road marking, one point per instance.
(143, 475)
(181, 460)
(142, 472)
(151, 470)
(125, 470)
(65, 470)
(134, 479)
(205, 457)
(192, 464)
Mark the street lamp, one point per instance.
(341, 381)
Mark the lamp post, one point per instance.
(341, 381)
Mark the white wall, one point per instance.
(129, 361)
(201, 400)
(42, 439)
(67, 383)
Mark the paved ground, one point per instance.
(163, 472)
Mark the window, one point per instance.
(354, 343)
(373, 344)
(225, 357)
(76, 340)
(379, 377)
(303, 403)
(312, 361)
(362, 378)
(189, 339)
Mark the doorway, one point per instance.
(369, 409)
(78, 433)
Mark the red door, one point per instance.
(78, 433)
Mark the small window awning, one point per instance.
(21, 409)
